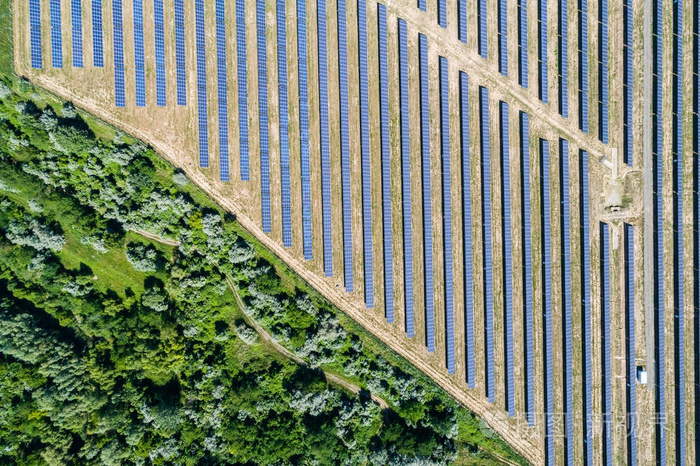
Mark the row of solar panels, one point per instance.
(76, 20)
(606, 398)
(304, 133)
(587, 309)
(118, 38)
(139, 60)
(507, 255)
(657, 149)
(563, 50)
(627, 82)
(547, 309)
(542, 56)
(631, 404)
(583, 65)
(284, 124)
(365, 153)
(221, 66)
(56, 34)
(160, 52)
(678, 272)
(485, 146)
(202, 110)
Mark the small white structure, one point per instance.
(641, 375)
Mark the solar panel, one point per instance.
(242, 89)
(406, 178)
(422, 5)
(467, 228)
(76, 19)
(507, 257)
(307, 234)
(503, 37)
(563, 50)
(325, 144)
(678, 295)
(483, 46)
(35, 33)
(345, 146)
(630, 346)
(627, 82)
(366, 154)
(118, 46)
(522, 43)
(527, 266)
(607, 372)
(427, 200)
(542, 50)
(262, 115)
(97, 41)
(485, 145)
(56, 34)
(447, 214)
(586, 303)
(566, 302)
(547, 309)
(386, 165)
(284, 124)
(159, 34)
(657, 169)
(603, 70)
(442, 13)
(139, 60)
(462, 20)
(202, 115)
(180, 65)
(583, 65)
(221, 65)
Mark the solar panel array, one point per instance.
(630, 347)
(564, 58)
(222, 88)
(262, 116)
(566, 302)
(35, 32)
(159, 33)
(627, 81)
(76, 19)
(118, 39)
(527, 267)
(483, 49)
(345, 145)
(202, 115)
(406, 178)
(542, 50)
(447, 214)
(586, 303)
(522, 43)
(325, 144)
(503, 37)
(678, 298)
(603, 70)
(366, 154)
(56, 34)
(547, 309)
(284, 123)
(427, 203)
(462, 20)
(583, 65)
(467, 228)
(242, 75)
(139, 60)
(657, 168)
(607, 372)
(442, 13)
(507, 257)
(485, 143)
(384, 121)
(307, 234)
(180, 52)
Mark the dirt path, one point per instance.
(159, 239)
(330, 377)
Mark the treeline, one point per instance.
(163, 372)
